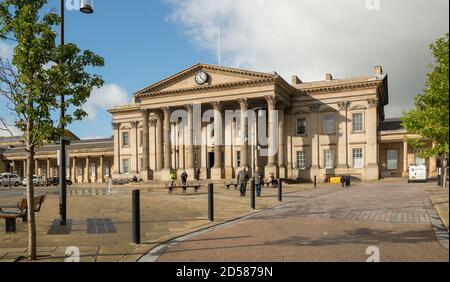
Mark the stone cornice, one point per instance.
(340, 88)
(125, 108)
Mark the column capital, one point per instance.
(134, 123)
(153, 121)
(343, 105)
(166, 110)
(373, 103)
(145, 111)
(115, 125)
(188, 108)
(217, 105)
(243, 102)
(271, 100)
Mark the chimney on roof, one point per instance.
(328, 76)
(296, 80)
(378, 70)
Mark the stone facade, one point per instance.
(323, 128)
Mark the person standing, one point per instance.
(197, 174)
(184, 177)
(172, 178)
(259, 180)
(242, 181)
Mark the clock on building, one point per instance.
(201, 78)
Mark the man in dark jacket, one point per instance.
(242, 179)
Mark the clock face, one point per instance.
(201, 78)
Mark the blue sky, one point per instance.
(145, 41)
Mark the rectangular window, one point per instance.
(392, 159)
(55, 171)
(357, 155)
(92, 170)
(419, 161)
(79, 169)
(238, 128)
(301, 126)
(328, 159)
(301, 160)
(328, 124)
(357, 122)
(126, 166)
(125, 139)
(238, 158)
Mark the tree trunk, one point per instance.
(30, 203)
(444, 173)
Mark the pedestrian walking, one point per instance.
(172, 178)
(242, 181)
(259, 180)
(197, 174)
(184, 177)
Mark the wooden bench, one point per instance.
(170, 187)
(227, 185)
(10, 213)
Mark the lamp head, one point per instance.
(87, 6)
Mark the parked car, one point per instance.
(9, 179)
(55, 181)
(37, 181)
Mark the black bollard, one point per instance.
(315, 181)
(252, 198)
(211, 202)
(280, 190)
(136, 217)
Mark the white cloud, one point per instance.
(311, 38)
(6, 51)
(108, 96)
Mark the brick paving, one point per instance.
(327, 224)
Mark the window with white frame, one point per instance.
(301, 160)
(126, 166)
(125, 139)
(106, 168)
(392, 159)
(238, 158)
(328, 159)
(79, 169)
(357, 155)
(92, 170)
(357, 122)
(301, 126)
(419, 160)
(328, 124)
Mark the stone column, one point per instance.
(271, 167)
(87, 175)
(159, 142)
(343, 138)
(48, 168)
(204, 152)
(116, 128)
(146, 173)
(190, 164)
(217, 170)
(281, 143)
(134, 165)
(314, 132)
(290, 156)
(24, 168)
(100, 175)
(244, 134)
(405, 159)
(74, 170)
(167, 170)
(372, 169)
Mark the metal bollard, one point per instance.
(136, 217)
(280, 190)
(252, 198)
(211, 202)
(315, 181)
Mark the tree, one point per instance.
(430, 117)
(39, 73)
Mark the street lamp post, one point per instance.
(87, 7)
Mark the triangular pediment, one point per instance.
(217, 75)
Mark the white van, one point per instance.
(417, 173)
